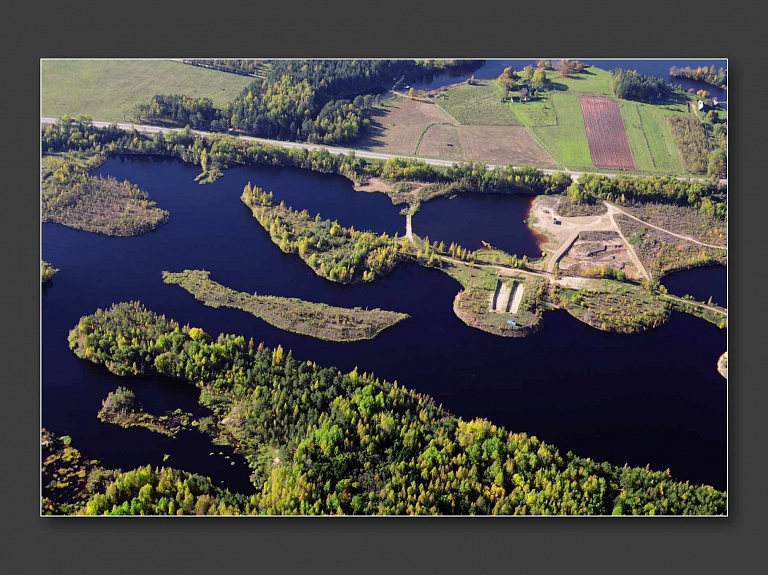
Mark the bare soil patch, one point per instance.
(593, 250)
(441, 141)
(503, 145)
(608, 144)
(397, 127)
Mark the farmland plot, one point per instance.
(607, 138)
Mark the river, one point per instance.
(654, 398)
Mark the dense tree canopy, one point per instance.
(632, 85)
(320, 441)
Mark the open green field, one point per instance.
(108, 90)
(653, 148)
(478, 105)
(567, 140)
(591, 81)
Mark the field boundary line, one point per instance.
(421, 137)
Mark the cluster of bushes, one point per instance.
(179, 110)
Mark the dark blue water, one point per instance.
(652, 398)
(701, 283)
(470, 219)
(659, 68)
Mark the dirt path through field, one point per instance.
(612, 209)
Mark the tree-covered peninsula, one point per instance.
(320, 441)
(336, 253)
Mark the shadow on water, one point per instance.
(652, 398)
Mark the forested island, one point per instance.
(317, 320)
(319, 441)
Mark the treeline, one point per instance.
(320, 441)
(334, 252)
(242, 67)
(707, 197)
(710, 75)
(632, 85)
(474, 177)
(348, 78)
(224, 151)
(179, 110)
(342, 78)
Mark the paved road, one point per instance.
(147, 129)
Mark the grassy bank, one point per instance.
(109, 90)
(298, 316)
(706, 311)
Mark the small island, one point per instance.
(290, 314)
(47, 271)
(122, 408)
(74, 198)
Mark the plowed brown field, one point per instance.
(607, 138)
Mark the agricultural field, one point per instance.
(413, 127)
(605, 133)
(477, 105)
(649, 137)
(691, 140)
(109, 90)
(441, 141)
(397, 127)
(500, 145)
(567, 140)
